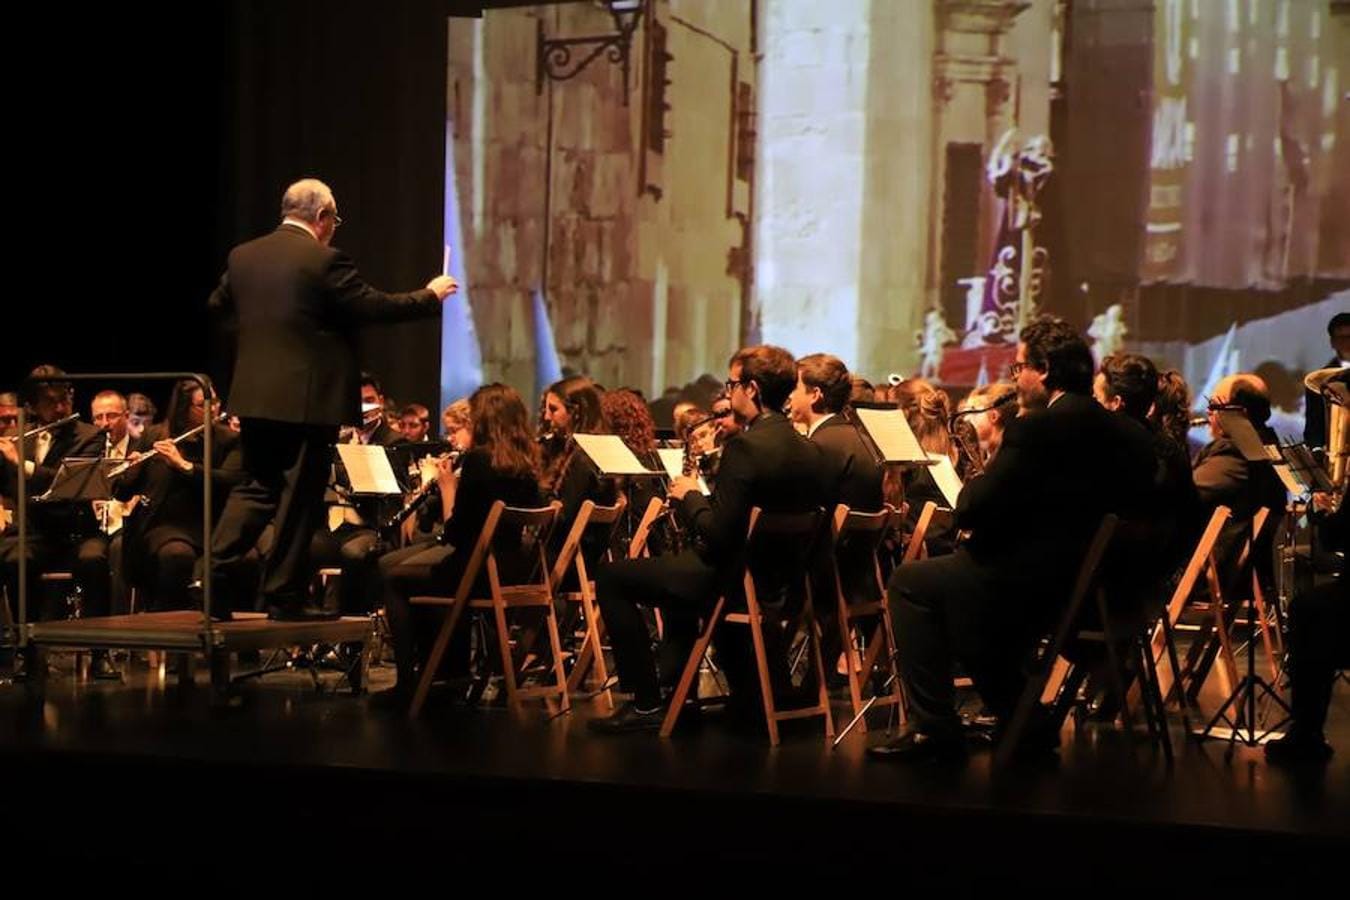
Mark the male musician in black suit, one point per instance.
(852, 476)
(1314, 407)
(54, 527)
(293, 302)
(768, 465)
(1063, 465)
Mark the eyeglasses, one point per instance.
(732, 385)
(724, 414)
(1018, 368)
(337, 220)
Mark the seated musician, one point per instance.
(1224, 477)
(851, 475)
(416, 423)
(1031, 516)
(1127, 383)
(993, 404)
(631, 420)
(502, 464)
(768, 465)
(351, 541)
(573, 406)
(55, 529)
(1319, 641)
(141, 413)
(164, 536)
(1171, 411)
(928, 411)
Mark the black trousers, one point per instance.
(93, 571)
(287, 467)
(1319, 644)
(356, 551)
(684, 588)
(952, 607)
(433, 569)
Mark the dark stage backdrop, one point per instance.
(150, 142)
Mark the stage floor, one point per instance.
(328, 770)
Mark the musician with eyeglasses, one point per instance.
(293, 302)
(768, 465)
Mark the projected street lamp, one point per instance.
(561, 59)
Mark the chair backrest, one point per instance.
(778, 546)
(638, 545)
(534, 526)
(1204, 551)
(605, 519)
(858, 537)
(915, 549)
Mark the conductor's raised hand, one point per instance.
(442, 286)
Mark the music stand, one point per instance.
(80, 478)
(886, 432)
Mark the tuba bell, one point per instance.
(1334, 387)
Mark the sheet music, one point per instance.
(368, 469)
(610, 454)
(1302, 469)
(891, 433)
(672, 460)
(944, 473)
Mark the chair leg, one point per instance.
(559, 675)
(822, 691)
(893, 666)
(452, 617)
(1272, 651)
(851, 662)
(691, 668)
(508, 661)
(1169, 639)
(761, 662)
(1153, 694)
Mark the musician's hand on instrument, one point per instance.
(442, 286)
(683, 485)
(169, 450)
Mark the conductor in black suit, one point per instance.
(1063, 465)
(768, 465)
(293, 302)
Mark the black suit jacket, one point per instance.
(1058, 472)
(1224, 477)
(768, 465)
(292, 304)
(58, 520)
(851, 472)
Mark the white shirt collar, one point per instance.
(300, 223)
(815, 426)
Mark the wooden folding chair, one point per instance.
(1202, 559)
(1085, 582)
(604, 519)
(534, 592)
(859, 535)
(916, 548)
(1215, 641)
(789, 528)
(637, 548)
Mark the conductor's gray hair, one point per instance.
(306, 199)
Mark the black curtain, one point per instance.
(150, 142)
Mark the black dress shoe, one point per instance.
(101, 668)
(1296, 750)
(920, 746)
(627, 719)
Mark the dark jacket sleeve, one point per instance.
(721, 520)
(987, 499)
(474, 496)
(357, 301)
(1220, 476)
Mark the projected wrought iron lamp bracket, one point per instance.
(561, 59)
